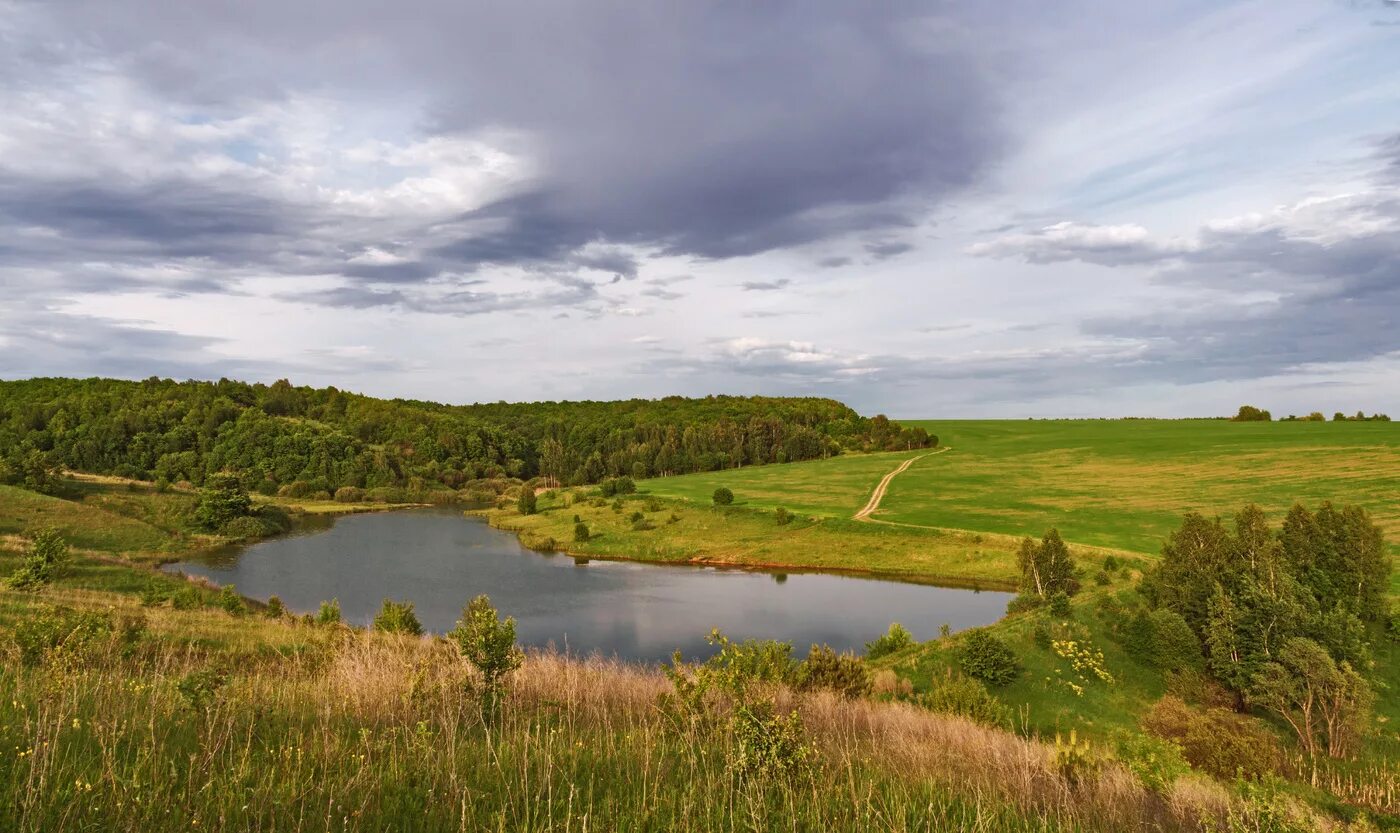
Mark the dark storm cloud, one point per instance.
(166, 219)
(712, 130)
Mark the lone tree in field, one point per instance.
(1047, 568)
(723, 497)
(488, 643)
(527, 502)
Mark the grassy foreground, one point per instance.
(181, 720)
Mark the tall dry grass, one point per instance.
(358, 731)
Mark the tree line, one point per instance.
(324, 439)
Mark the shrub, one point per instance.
(617, 486)
(155, 593)
(296, 489)
(842, 673)
(959, 694)
(636, 516)
(1110, 564)
(349, 494)
(1174, 645)
(275, 609)
(1215, 741)
(231, 602)
(985, 656)
(617, 505)
(1024, 602)
(782, 516)
(642, 525)
(897, 638)
(1041, 635)
(527, 503)
(768, 745)
(397, 617)
(186, 598)
(43, 562)
(1157, 762)
(1102, 578)
(580, 531)
(200, 689)
(329, 613)
(723, 496)
(243, 529)
(1060, 607)
(487, 642)
(62, 634)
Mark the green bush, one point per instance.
(769, 746)
(243, 529)
(349, 494)
(1102, 578)
(200, 689)
(397, 617)
(155, 593)
(1175, 646)
(782, 516)
(842, 673)
(487, 642)
(959, 694)
(64, 635)
(527, 503)
(613, 486)
(642, 525)
(581, 533)
(985, 656)
(296, 489)
(1024, 602)
(897, 638)
(231, 602)
(186, 598)
(1157, 762)
(1219, 742)
(1060, 606)
(635, 516)
(329, 613)
(275, 609)
(723, 496)
(44, 560)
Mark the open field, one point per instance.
(834, 488)
(1126, 483)
(1119, 484)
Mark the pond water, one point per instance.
(440, 559)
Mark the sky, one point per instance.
(921, 209)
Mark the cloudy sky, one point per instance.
(1014, 209)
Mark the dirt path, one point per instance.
(879, 493)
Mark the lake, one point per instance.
(439, 559)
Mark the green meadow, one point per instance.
(1119, 484)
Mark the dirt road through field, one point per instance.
(879, 493)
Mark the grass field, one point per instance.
(1120, 484)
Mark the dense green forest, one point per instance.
(322, 439)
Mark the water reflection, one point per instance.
(439, 559)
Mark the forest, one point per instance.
(280, 436)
